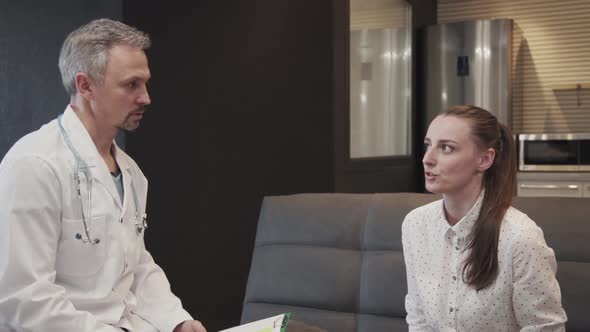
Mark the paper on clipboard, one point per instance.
(272, 324)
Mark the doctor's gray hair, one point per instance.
(86, 49)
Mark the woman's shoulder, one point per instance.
(423, 214)
(519, 226)
(518, 220)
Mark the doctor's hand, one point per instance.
(190, 326)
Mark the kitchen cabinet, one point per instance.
(553, 184)
(553, 189)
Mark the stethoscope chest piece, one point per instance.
(79, 236)
(140, 226)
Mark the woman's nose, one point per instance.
(428, 158)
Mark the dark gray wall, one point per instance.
(242, 108)
(31, 34)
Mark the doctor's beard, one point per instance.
(133, 119)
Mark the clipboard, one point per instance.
(272, 324)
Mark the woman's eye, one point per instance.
(446, 148)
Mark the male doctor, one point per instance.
(72, 204)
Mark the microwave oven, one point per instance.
(554, 152)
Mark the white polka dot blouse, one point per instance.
(524, 297)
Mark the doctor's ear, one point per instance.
(83, 85)
(486, 160)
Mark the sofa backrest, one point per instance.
(335, 260)
(565, 222)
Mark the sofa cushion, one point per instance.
(297, 326)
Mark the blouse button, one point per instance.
(454, 278)
(451, 309)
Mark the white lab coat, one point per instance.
(51, 281)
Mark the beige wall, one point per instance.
(551, 47)
(379, 14)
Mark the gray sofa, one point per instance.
(335, 261)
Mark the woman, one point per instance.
(473, 262)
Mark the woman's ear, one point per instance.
(486, 159)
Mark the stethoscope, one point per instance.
(82, 166)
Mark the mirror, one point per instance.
(380, 78)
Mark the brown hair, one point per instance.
(481, 266)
